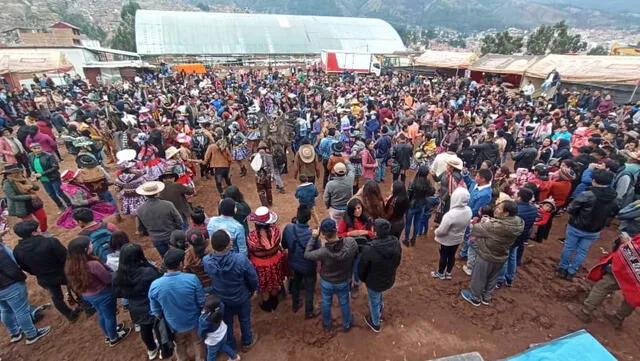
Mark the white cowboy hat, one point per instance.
(307, 153)
(171, 152)
(150, 188)
(126, 155)
(263, 215)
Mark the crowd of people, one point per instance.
(484, 169)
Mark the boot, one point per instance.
(266, 305)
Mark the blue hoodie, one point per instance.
(529, 213)
(232, 276)
(295, 238)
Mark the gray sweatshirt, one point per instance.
(336, 258)
(339, 190)
(158, 218)
(453, 224)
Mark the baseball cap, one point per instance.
(340, 168)
(173, 257)
(328, 225)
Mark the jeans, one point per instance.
(465, 245)
(576, 246)
(329, 289)
(105, 303)
(222, 346)
(161, 246)
(277, 177)
(375, 306)
(55, 291)
(53, 190)
(414, 216)
(508, 272)
(220, 175)
(243, 311)
(15, 310)
(380, 169)
(107, 196)
(336, 214)
(309, 280)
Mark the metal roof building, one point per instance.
(202, 33)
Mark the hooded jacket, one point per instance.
(232, 276)
(564, 149)
(495, 237)
(42, 257)
(336, 258)
(379, 261)
(295, 238)
(137, 292)
(590, 210)
(451, 230)
(528, 213)
(10, 273)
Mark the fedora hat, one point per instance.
(263, 215)
(12, 169)
(455, 163)
(307, 153)
(337, 148)
(171, 152)
(150, 188)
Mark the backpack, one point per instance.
(100, 239)
(199, 144)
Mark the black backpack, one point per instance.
(199, 144)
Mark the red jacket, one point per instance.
(560, 191)
(357, 226)
(622, 262)
(544, 186)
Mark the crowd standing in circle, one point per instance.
(482, 166)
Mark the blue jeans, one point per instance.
(107, 196)
(465, 246)
(243, 311)
(380, 169)
(222, 346)
(327, 290)
(161, 246)
(424, 222)
(414, 216)
(508, 272)
(15, 310)
(375, 306)
(576, 246)
(105, 303)
(53, 190)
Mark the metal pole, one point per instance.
(634, 91)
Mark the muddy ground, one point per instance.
(424, 318)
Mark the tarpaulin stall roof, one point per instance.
(29, 62)
(446, 59)
(588, 68)
(504, 64)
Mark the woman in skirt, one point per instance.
(267, 256)
(239, 149)
(148, 156)
(80, 196)
(127, 178)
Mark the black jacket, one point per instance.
(402, 154)
(49, 164)
(10, 273)
(42, 257)
(135, 288)
(525, 158)
(486, 151)
(379, 261)
(590, 210)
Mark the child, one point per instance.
(199, 221)
(546, 208)
(485, 212)
(306, 194)
(213, 330)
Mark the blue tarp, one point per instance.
(577, 346)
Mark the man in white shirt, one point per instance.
(439, 165)
(528, 90)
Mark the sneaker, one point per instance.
(561, 273)
(615, 321)
(486, 301)
(122, 334)
(41, 332)
(466, 270)
(447, 276)
(17, 337)
(466, 294)
(437, 275)
(369, 322)
(246, 348)
(570, 276)
(509, 284)
(153, 353)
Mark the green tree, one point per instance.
(501, 43)
(82, 22)
(458, 42)
(554, 39)
(125, 37)
(598, 50)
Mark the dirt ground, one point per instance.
(424, 318)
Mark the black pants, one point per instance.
(402, 175)
(146, 334)
(447, 258)
(220, 174)
(265, 194)
(57, 297)
(205, 170)
(397, 228)
(309, 281)
(325, 176)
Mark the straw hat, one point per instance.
(307, 153)
(455, 163)
(126, 155)
(150, 188)
(263, 215)
(171, 152)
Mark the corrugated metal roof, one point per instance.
(196, 33)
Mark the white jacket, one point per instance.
(453, 224)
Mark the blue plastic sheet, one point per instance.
(577, 346)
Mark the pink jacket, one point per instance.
(7, 154)
(48, 145)
(368, 164)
